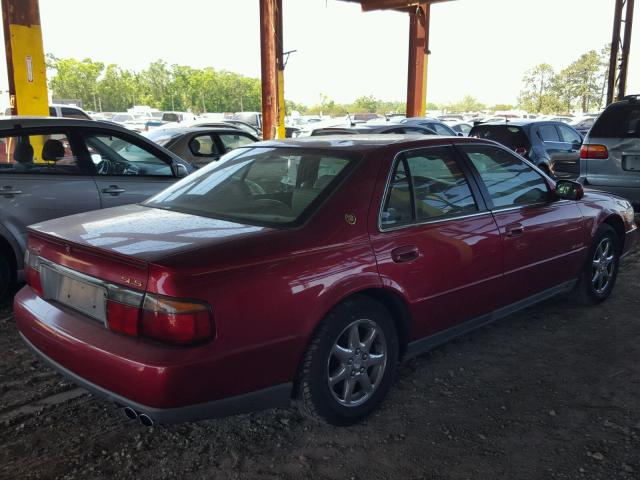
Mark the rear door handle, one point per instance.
(8, 191)
(514, 230)
(405, 254)
(113, 190)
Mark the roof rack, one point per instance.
(632, 98)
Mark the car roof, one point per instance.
(18, 121)
(184, 130)
(368, 142)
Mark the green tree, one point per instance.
(75, 79)
(536, 95)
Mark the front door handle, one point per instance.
(405, 254)
(113, 190)
(514, 230)
(8, 191)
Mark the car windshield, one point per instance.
(260, 185)
(508, 135)
(618, 121)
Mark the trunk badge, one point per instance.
(67, 248)
(131, 281)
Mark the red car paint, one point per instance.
(269, 288)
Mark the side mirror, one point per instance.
(180, 170)
(569, 190)
(460, 134)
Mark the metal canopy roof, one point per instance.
(403, 5)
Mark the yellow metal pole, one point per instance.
(25, 57)
(280, 130)
(281, 106)
(427, 24)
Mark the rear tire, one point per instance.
(7, 276)
(598, 276)
(350, 363)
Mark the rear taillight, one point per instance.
(175, 321)
(164, 319)
(594, 152)
(138, 314)
(32, 271)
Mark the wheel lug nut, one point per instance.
(364, 357)
(353, 373)
(357, 351)
(350, 361)
(361, 369)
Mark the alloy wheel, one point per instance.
(603, 265)
(357, 363)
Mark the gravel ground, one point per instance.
(550, 393)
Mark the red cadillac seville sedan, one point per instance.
(308, 269)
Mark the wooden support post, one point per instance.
(418, 51)
(268, 23)
(626, 49)
(25, 57)
(615, 46)
(281, 132)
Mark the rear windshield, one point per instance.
(618, 121)
(261, 186)
(170, 117)
(508, 135)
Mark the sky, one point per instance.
(478, 47)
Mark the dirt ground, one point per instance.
(550, 393)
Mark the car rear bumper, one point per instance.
(271, 397)
(631, 240)
(632, 194)
(167, 384)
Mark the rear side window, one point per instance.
(508, 135)
(509, 181)
(618, 121)
(548, 133)
(203, 146)
(49, 153)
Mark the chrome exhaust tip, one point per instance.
(145, 420)
(130, 413)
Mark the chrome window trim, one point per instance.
(438, 220)
(381, 229)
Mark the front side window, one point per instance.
(231, 140)
(569, 135)
(427, 185)
(509, 181)
(49, 153)
(264, 186)
(114, 155)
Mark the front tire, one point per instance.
(350, 363)
(600, 272)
